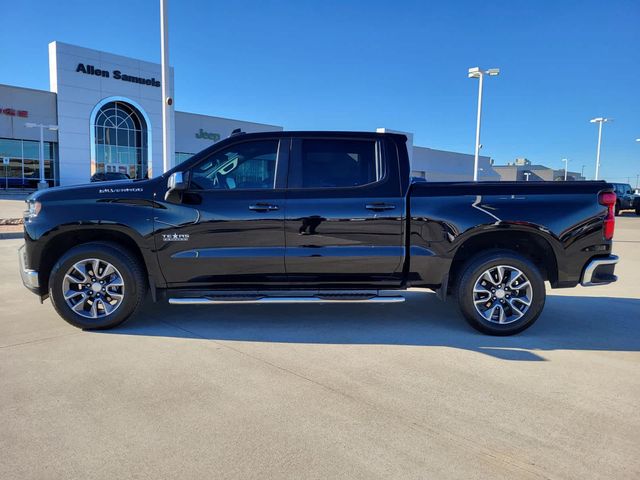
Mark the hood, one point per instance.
(115, 188)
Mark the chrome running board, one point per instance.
(251, 299)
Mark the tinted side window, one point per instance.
(339, 163)
(247, 165)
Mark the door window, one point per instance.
(331, 163)
(249, 165)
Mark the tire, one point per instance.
(617, 209)
(84, 309)
(505, 311)
(638, 211)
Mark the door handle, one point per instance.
(263, 207)
(378, 207)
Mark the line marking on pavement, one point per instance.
(40, 340)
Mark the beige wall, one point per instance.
(41, 108)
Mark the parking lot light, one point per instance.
(599, 121)
(566, 165)
(42, 183)
(478, 73)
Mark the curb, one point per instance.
(11, 221)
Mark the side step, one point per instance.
(319, 298)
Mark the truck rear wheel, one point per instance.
(500, 293)
(96, 285)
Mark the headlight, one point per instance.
(33, 209)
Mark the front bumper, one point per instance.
(599, 271)
(29, 277)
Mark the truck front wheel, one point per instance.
(96, 285)
(500, 293)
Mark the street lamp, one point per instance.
(527, 175)
(476, 72)
(599, 121)
(167, 101)
(41, 184)
(637, 176)
(566, 165)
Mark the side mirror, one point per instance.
(178, 182)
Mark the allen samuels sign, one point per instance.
(116, 75)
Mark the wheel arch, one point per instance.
(523, 241)
(61, 243)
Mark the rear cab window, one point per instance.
(336, 163)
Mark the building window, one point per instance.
(23, 170)
(121, 140)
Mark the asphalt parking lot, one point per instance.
(397, 391)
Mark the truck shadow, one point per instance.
(567, 323)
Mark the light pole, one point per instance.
(42, 183)
(476, 72)
(566, 165)
(527, 175)
(599, 121)
(167, 101)
(582, 172)
(637, 176)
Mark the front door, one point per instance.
(228, 227)
(344, 216)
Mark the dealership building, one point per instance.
(523, 170)
(108, 113)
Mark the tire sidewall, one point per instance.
(102, 252)
(471, 273)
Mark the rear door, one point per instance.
(344, 212)
(228, 228)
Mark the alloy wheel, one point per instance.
(93, 288)
(502, 294)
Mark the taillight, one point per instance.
(608, 199)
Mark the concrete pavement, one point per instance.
(396, 391)
(12, 205)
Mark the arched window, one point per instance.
(121, 140)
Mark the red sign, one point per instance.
(12, 112)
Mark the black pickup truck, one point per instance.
(314, 217)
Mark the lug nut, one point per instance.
(501, 301)
(494, 298)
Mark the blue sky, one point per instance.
(358, 65)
